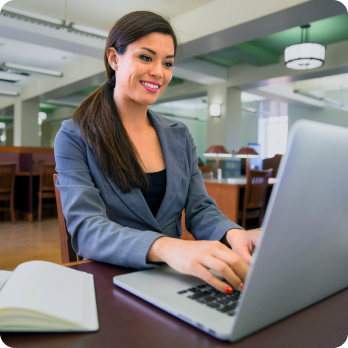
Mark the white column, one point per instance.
(216, 126)
(234, 120)
(226, 129)
(25, 125)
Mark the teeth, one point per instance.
(149, 85)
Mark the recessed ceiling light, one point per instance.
(33, 69)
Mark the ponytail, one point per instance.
(97, 115)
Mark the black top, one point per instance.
(155, 194)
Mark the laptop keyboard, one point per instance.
(209, 296)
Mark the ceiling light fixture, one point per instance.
(8, 77)
(334, 103)
(33, 69)
(258, 112)
(89, 30)
(305, 55)
(56, 24)
(9, 93)
(29, 15)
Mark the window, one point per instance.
(272, 135)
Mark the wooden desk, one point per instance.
(25, 188)
(228, 196)
(28, 161)
(127, 321)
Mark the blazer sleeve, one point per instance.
(94, 236)
(202, 217)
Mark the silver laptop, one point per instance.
(302, 252)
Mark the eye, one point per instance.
(168, 64)
(145, 58)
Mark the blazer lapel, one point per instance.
(135, 201)
(173, 141)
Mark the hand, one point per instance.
(197, 257)
(242, 242)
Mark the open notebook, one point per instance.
(43, 296)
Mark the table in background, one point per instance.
(28, 161)
(127, 321)
(228, 194)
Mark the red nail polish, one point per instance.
(229, 290)
(241, 286)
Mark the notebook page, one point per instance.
(48, 288)
(90, 317)
(4, 275)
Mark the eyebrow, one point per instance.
(153, 52)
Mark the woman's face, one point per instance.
(144, 70)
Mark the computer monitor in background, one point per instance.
(255, 163)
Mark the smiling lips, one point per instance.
(151, 86)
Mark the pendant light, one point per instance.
(305, 55)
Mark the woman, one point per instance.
(125, 174)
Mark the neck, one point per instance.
(133, 115)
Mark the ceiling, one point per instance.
(56, 51)
(105, 14)
(94, 18)
(268, 50)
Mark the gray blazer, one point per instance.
(107, 225)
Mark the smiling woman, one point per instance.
(132, 56)
(144, 70)
(125, 174)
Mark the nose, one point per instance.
(156, 70)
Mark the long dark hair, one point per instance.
(97, 115)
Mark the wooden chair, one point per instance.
(272, 163)
(46, 189)
(207, 172)
(7, 178)
(68, 253)
(255, 196)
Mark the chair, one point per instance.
(7, 178)
(207, 172)
(46, 189)
(272, 163)
(254, 201)
(68, 253)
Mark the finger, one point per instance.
(245, 248)
(211, 279)
(239, 266)
(245, 254)
(224, 270)
(255, 236)
(246, 251)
